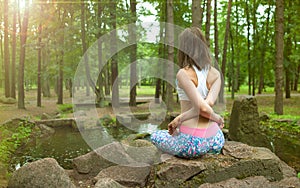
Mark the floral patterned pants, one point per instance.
(187, 146)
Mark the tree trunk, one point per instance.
(237, 56)
(170, 41)
(39, 88)
(207, 24)
(133, 52)
(221, 96)
(60, 58)
(216, 34)
(23, 38)
(196, 13)
(263, 50)
(288, 53)
(100, 97)
(13, 54)
(2, 64)
(161, 51)
(279, 47)
(114, 61)
(255, 5)
(232, 67)
(248, 47)
(45, 78)
(6, 50)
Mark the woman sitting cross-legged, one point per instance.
(197, 130)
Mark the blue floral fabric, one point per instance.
(187, 146)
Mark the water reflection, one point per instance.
(67, 143)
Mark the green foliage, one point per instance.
(65, 108)
(11, 140)
(290, 127)
(298, 174)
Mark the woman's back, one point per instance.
(212, 76)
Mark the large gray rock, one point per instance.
(238, 161)
(93, 162)
(141, 151)
(129, 176)
(244, 123)
(45, 130)
(42, 173)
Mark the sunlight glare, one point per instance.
(23, 4)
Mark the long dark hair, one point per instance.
(193, 49)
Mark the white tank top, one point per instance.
(201, 87)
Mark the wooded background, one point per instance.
(256, 43)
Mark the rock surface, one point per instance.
(126, 175)
(42, 173)
(244, 123)
(238, 161)
(254, 182)
(108, 183)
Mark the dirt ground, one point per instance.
(49, 106)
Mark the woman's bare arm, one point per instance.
(200, 106)
(214, 79)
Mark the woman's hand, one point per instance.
(220, 122)
(172, 126)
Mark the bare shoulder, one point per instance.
(185, 74)
(213, 75)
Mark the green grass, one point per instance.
(141, 91)
(244, 90)
(65, 108)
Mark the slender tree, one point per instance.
(161, 51)
(225, 47)
(13, 53)
(216, 31)
(288, 53)
(100, 98)
(6, 50)
(254, 31)
(60, 56)
(170, 40)
(263, 51)
(133, 52)
(248, 46)
(279, 45)
(39, 71)
(114, 60)
(23, 38)
(207, 23)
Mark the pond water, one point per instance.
(65, 144)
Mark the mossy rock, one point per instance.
(8, 100)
